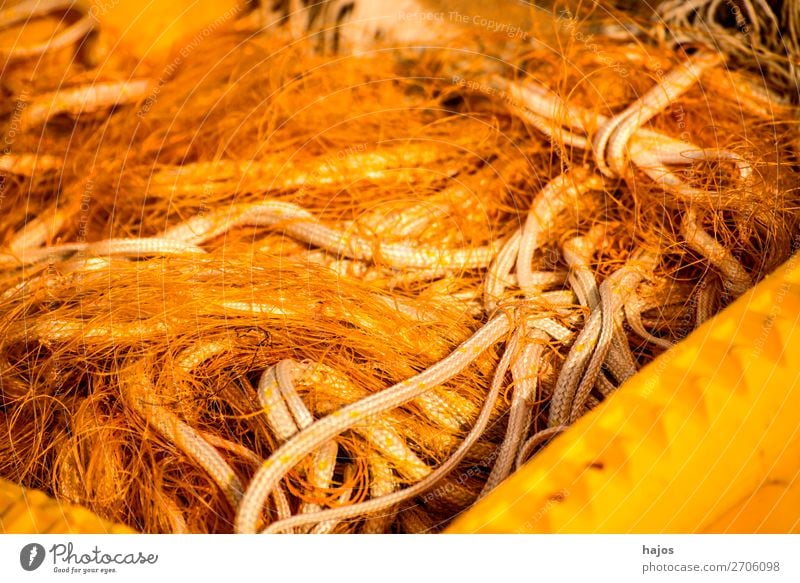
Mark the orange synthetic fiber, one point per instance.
(388, 147)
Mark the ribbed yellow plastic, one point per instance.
(704, 439)
(24, 511)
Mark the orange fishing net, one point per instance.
(273, 287)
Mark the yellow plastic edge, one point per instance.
(704, 439)
(25, 511)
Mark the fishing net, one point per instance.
(300, 283)
(760, 35)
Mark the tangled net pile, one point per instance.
(762, 35)
(287, 291)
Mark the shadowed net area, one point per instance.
(287, 281)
